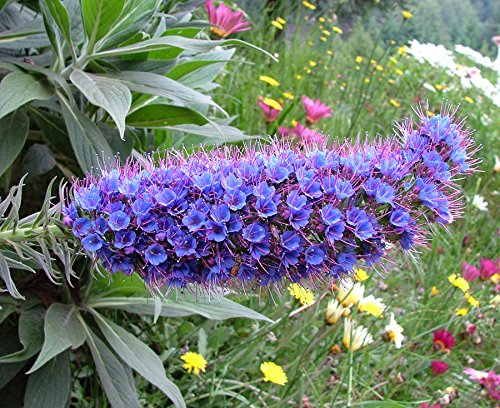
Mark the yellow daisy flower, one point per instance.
(273, 373)
(194, 362)
(302, 294)
(269, 80)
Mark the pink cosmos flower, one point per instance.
(488, 268)
(315, 110)
(270, 113)
(308, 136)
(226, 20)
(439, 367)
(490, 381)
(469, 272)
(284, 131)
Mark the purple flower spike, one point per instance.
(258, 215)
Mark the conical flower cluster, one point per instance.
(258, 216)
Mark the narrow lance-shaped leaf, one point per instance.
(99, 16)
(30, 336)
(139, 357)
(116, 378)
(50, 386)
(13, 135)
(111, 95)
(89, 145)
(62, 330)
(61, 18)
(18, 88)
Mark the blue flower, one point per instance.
(335, 232)
(129, 187)
(314, 255)
(331, 215)
(400, 218)
(118, 221)
(147, 222)
(216, 231)
(166, 197)
(100, 226)
(363, 228)
(155, 254)
(81, 227)
(385, 193)
(266, 207)
(428, 193)
(204, 182)
(299, 218)
(185, 246)
(343, 189)
(276, 173)
(88, 198)
(255, 232)
(235, 199)
(124, 239)
(290, 240)
(141, 207)
(296, 201)
(92, 242)
(194, 220)
(259, 249)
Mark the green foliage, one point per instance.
(77, 70)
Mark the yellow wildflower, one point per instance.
(394, 331)
(294, 123)
(324, 39)
(495, 301)
(355, 337)
(394, 103)
(372, 306)
(329, 52)
(309, 5)
(277, 24)
(379, 67)
(273, 373)
(430, 114)
(311, 43)
(459, 282)
(358, 67)
(472, 301)
(406, 14)
(462, 312)
(403, 50)
(391, 81)
(495, 279)
(398, 71)
(337, 29)
(439, 87)
(326, 32)
(313, 63)
(360, 275)
(434, 291)
(359, 59)
(269, 80)
(194, 362)
(308, 70)
(273, 103)
(302, 294)
(288, 95)
(366, 80)
(298, 77)
(281, 20)
(373, 62)
(393, 60)
(469, 99)
(321, 19)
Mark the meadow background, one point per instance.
(356, 57)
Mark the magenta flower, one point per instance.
(270, 113)
(226, 20)
(488, 268)
(315, 110)
(469, 272)
(439, 367)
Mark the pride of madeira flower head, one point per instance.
(225, 20)
(256, 216)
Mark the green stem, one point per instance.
(28, 234)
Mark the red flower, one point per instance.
(443, 340)
(469, 272)
(226, 20)
(439, 367)
(488, 268)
